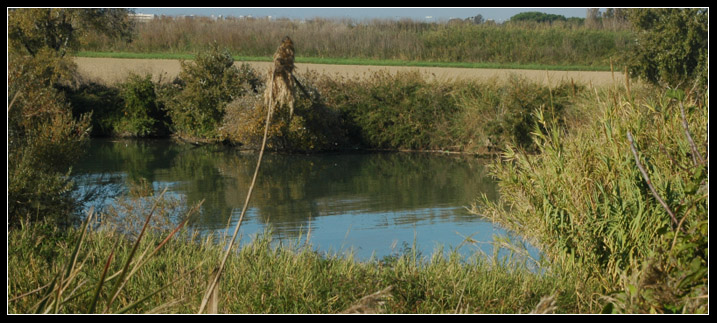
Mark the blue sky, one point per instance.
(498, 14)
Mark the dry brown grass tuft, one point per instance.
(280, 83)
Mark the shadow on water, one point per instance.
(372, 203)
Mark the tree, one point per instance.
(477, 19)
(672, 46)
(537, 17)
(31, 29)
(44, 138)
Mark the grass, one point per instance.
(518, 44)
(352, 61)
(259, 277)
(620, 196)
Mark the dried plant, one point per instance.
(280, 81)
(279, 92)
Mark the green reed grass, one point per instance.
(598, 197)
(263, 277)
(384, 40)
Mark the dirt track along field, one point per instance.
(112, 70)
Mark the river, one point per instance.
(371, 204)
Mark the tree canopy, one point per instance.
(537, 17)
(672, 45)
(60, 29)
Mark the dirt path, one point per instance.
(112, 70)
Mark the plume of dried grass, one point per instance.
(280, 82)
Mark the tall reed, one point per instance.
(616, 197)
(551, 44)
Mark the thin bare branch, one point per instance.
(647, 179)
(695, 153)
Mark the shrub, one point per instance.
(101, 101)
(142, 113)
(313, 127)
(400, 111)
(43, 140)
(672, 46)
(197, 100)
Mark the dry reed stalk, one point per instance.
(280, 83)
(647, 179)
(627, 83)
(370, 304)
(279, 92)
(213, 302)
(546, 305)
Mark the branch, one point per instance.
(695, 153)
(647, 178)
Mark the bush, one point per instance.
(43, 140)
(197, 100)
(142, 113)
(401, 111)
(102, 102)
(672, 46)
(405, 111)
(313, 127)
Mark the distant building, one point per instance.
(141, 17)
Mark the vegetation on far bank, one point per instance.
(611, 183)
(518, 43)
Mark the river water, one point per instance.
(370, 204)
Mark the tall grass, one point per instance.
(262, 277)
(621, 197)
(405, 40)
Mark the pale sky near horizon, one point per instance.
(436, 14)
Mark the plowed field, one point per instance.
(112, 70)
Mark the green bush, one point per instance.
(197, 100)
(142, 113)
(101, 101)
(406, 111)
(400, 111)
(672, 46)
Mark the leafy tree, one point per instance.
(31, 29)
(537, 17)
(672, 46)
(43, 137)
(43, 141)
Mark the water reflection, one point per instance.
(370, 202)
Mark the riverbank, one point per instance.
(452, 110)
